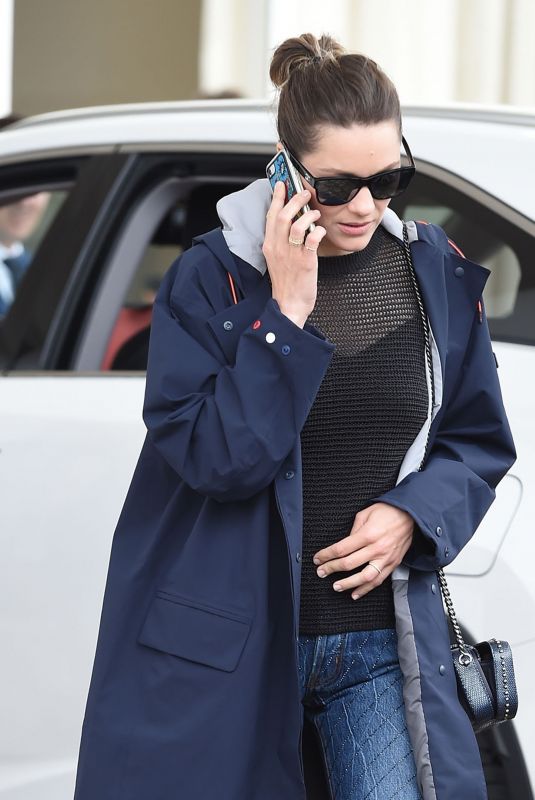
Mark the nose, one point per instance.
(363, 203)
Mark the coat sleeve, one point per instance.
(471, 452)
(226, 428)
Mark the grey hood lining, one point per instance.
(243, 219)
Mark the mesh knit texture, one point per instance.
(371, 404)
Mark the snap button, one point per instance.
(270, 337)
(298, 556)
(434, 588)
(442, 669)
(289, 474)
(285, 349)
(228, 325)
(256, 324)
(438, 530)
(446, 551)
(459, 271)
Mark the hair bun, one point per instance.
(302, 51)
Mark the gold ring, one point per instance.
(314, 249)
(371, 564)
(295, 242)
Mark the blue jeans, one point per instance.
(351, 689)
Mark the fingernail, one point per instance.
(306, 193)
(337, 587)
(316, 560)
(355, 596)
(322, 573)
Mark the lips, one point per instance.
(356, 224)
(355, 228)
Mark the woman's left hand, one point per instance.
(381, 534)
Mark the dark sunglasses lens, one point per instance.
(338, 191)
(392, 183)
(335, 192)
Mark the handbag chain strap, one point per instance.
(465, 656)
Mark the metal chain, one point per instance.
(440, 572)
(451, 613)
(425, 323)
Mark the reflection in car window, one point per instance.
(502, 286)
(489, 239)
(23, 223)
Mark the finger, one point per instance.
(348, 562)
(300, 226)
(366, 576)
(293, 206)
(280, 214)
(313, 240)
(349, 544)
(310, 243)
(370, 575)
(276, 205)
(364, 588)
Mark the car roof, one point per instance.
(488, 145)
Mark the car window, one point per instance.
(190, 211)
(57, 214)
(24, 221)
(487, 234)
(162, 222)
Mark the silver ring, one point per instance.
(379, 570)
(295, 242)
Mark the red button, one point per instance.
(256, 324)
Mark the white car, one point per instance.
(128, 188)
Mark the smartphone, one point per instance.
(280, 168)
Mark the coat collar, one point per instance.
(243, 219)
(451, 287)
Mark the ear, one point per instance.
(279, 147)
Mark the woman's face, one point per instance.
(360, 151)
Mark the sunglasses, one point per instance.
(337, 191)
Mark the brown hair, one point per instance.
(322, 84)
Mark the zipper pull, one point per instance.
(480, 311)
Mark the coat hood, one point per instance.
(243, 219)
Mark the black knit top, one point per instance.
(371, 404)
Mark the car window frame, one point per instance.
(520, 226)
(18, 180)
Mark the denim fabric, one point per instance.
(351, 689)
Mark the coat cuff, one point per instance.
(301, 354)
(430, 548)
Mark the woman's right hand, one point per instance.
(293, 269)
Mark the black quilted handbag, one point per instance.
(485, 675)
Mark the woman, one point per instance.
(327, 402)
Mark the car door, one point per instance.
(73, 353)
(60, 488)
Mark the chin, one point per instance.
(340, 245)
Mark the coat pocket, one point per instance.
(182, 627)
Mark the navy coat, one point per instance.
(194, 692)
